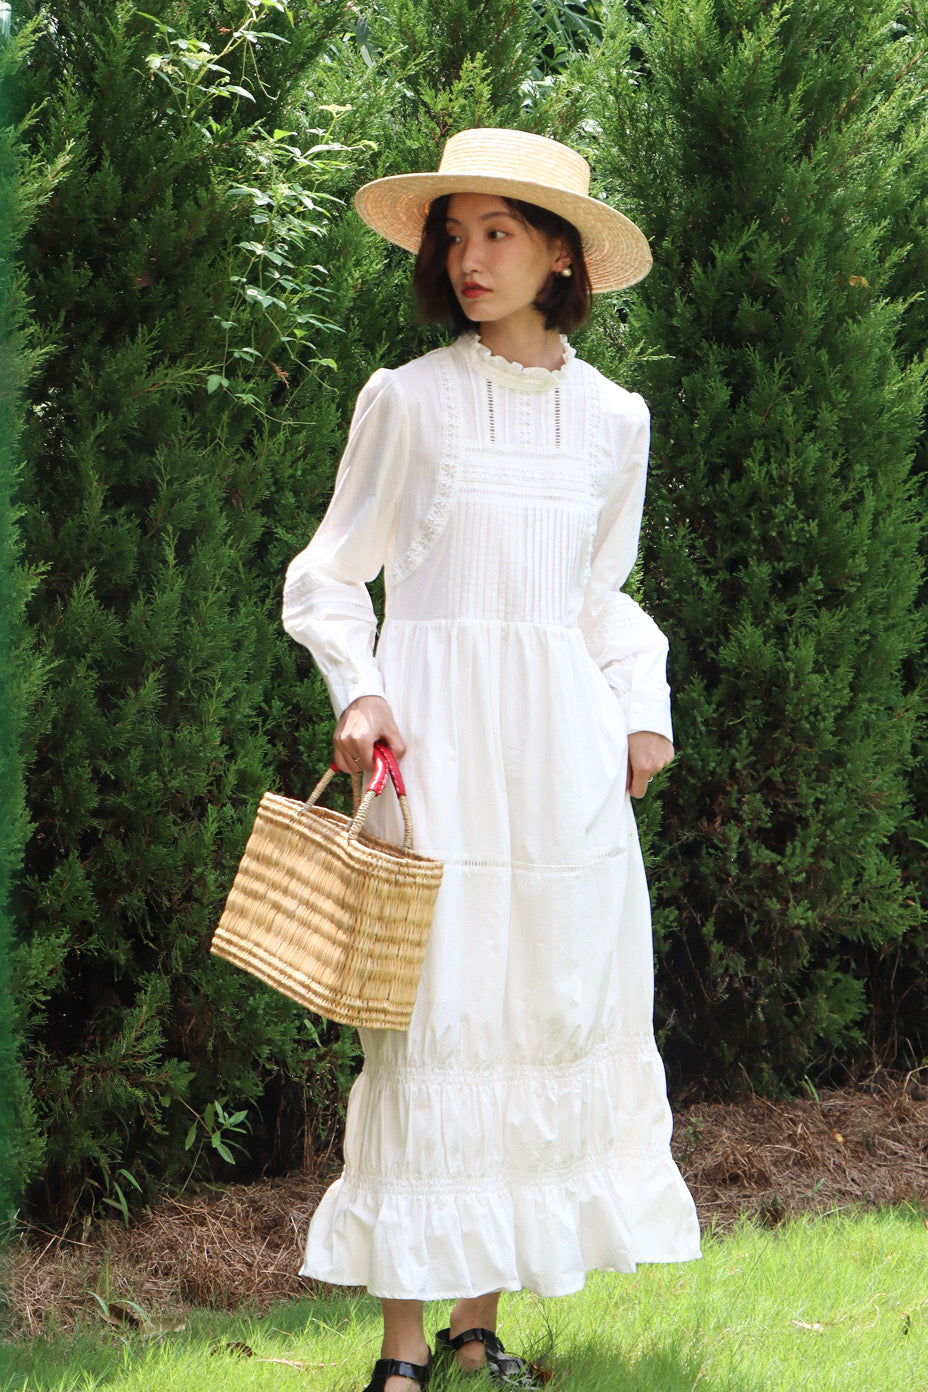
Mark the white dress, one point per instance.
(518, 1133)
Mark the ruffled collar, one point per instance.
(513, 374)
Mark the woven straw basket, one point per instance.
(335, 919)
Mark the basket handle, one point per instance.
(385, 766)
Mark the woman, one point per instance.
(518, 1133)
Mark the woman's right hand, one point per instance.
(367, 719)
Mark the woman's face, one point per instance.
(496, 263)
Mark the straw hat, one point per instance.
(513, 164)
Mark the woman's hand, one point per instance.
(367, 719)
(648, 753)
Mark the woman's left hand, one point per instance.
(648, 753)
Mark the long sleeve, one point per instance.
(326, 604)
(627, 645)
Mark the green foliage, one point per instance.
(899, 973)
(564, 28)
(195, 290)
(279, 296)
(152, 508)
(219, 1127)
(24, 185)
(439, 40)
(13, 828)
(783, 535)
(203, 307)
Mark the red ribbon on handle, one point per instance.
(384, 753)
(384, 764)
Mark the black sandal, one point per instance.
(506, 1369)
(397, 1367)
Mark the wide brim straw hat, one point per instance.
(513, 164)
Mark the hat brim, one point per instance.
(615, 249)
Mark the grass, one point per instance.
(837, 1304)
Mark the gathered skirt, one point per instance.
(518, 1133)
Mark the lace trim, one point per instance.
(473, 621)
(619, 1156)
(593, 444)
(513, 374)
(299, 589)
(536, 468)
(511, 1073)
(526, 433)
(615, 626)
(449, 465)
(611, 628)
(509, 496)
(534, 868)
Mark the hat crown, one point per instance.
(513, 154)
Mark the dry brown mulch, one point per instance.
(243, 1245)
(221, 1248)
(775, 1160)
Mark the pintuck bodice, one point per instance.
(516, 540)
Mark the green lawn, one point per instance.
(839, 1303)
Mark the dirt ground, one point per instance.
(242, 1245)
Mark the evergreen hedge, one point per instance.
(206, 307)
(180, 319)
(898, 1027)
(12, 826)
(761, 147)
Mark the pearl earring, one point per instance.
(566, 272)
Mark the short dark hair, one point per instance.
(563, 300)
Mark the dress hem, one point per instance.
(547, 1293)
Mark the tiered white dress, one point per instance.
(518, 1133)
